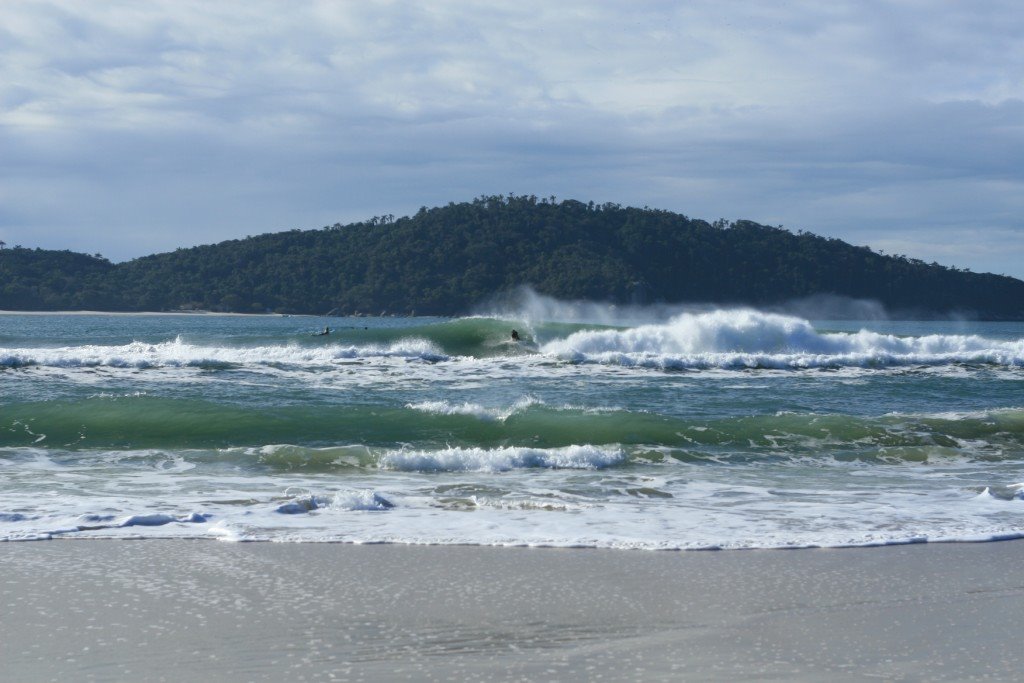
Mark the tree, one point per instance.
(447, 259)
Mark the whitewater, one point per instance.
(599, 427)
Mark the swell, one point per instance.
(146, 422)
(729, 339)
(130, 422)
(477, 337)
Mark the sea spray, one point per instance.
(752, 339)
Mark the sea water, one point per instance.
(647, 428)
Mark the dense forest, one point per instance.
(445, 260)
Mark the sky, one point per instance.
(129, 128)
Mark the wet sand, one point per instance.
(211, 611)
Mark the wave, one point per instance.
(753, 339)
(145, 421)
(178, 353)
(438, 341)
(477, 337)
(332, 438)
(101, 522)
(501, 459)
(361, 499)
(727, 339)
(475, 410)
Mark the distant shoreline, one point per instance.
(211, 314)
(225, 314)
(152, 313)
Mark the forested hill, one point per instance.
(446, 260)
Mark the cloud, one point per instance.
(128, 127)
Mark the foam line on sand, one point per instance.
(203, 610)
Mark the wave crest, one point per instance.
(177, 353)
(502, 459)
(753, 339)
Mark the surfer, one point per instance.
(515, 336)
(327, 330)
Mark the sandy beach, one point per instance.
(199, 610)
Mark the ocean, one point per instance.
(601, 427)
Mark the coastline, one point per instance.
(225, 314)
(152, 313)
(207, 610)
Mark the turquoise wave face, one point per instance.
(142, 422)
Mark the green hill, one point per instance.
(445, 260)
(41, 280)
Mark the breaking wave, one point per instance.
(178, 353)
(502, 459)
(725, 339)
(753, 339)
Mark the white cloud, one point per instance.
(180, 122)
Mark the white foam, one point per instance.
(178, 353)
(157, 519)
(753, 339)
(502, 459)
(349, 499)
(731, 506)
(474, 409)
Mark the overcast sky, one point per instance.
(128, 128)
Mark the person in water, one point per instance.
(515, 336)
(327, 330)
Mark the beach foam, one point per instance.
(501, 459)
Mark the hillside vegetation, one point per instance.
(445, 260)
